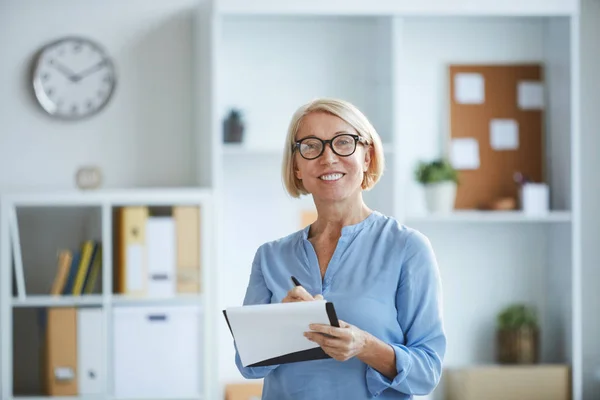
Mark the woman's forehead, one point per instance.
(322, 125)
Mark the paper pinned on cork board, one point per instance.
(464, 153)
(504, 134)
(530, 95)
(469, 88)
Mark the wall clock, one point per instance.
(73, 78)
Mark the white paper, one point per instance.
(266, 331)
(464, 153)
(469, 88)
(530, 95)
(504, 134)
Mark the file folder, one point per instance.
(272, 334)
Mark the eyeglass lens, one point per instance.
(343, 145)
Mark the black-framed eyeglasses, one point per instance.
(343, 145)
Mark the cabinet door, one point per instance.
(156, 352)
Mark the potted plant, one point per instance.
(517, 335)
(439, 180)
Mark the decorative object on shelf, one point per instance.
(534, 198)
(88, 177)
(505, 203)
(233, 127)
(439, 180)
(73, 78)
(517, 335)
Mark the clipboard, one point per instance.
(272, 334)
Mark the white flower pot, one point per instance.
(440, 197)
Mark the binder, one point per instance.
(272, 334)
(160, 256)
(60, 367)
(131, 251)
(187, 222)
(90, 351)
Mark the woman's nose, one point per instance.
(328, 155)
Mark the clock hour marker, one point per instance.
(90, 104)
(77, 48)
(74, 109)
(46, 76)
(50, 91)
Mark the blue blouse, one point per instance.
(384, 279)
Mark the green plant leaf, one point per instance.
(435, 171)
(517, 316)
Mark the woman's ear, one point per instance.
(367, 161)
(297, 172)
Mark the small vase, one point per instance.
(233, 128)
(517, 346)
(440, 197)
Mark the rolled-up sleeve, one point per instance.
(257, 292)
(419, 305)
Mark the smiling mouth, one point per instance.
(331, 177)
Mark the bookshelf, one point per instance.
(22, 300)
(390, 58)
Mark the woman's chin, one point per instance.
(332, 196)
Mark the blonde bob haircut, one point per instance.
(353, 117)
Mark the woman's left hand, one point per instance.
(341, 343)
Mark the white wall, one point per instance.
(590, 194)
(144, 136)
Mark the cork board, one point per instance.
(487, 104)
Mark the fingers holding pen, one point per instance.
(298, 293)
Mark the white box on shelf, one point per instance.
(535, 198)
(157, 352)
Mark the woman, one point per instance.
(381, 276)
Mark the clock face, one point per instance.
(73, 78)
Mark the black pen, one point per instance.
(296, 282)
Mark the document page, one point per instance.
(266, 331)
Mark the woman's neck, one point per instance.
(332, 217)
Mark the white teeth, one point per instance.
(331, 177)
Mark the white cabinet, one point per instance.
(156, 352)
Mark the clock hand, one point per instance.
(66, 71)
(89, 71)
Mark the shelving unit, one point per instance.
(390, 58)
(84, 215)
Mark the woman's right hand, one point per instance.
(298, 293)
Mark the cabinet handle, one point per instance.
(159, 277)
(157, 317)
